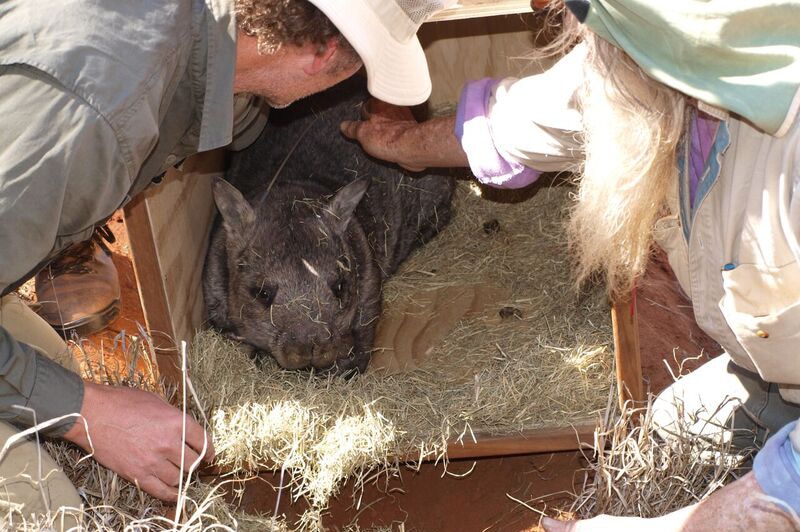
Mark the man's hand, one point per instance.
(391, 133)
(138, 435)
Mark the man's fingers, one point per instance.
(159, 489)
(168, 473)
(190, 456)
(350, 129)
(412, 168)
(196, 437)
(366, 109)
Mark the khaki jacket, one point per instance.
(736, 256)
(96, 99)
(737, 259)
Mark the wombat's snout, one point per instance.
(318, 356)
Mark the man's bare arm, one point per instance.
(390, 133)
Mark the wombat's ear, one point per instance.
(237, 214)
(340, 209)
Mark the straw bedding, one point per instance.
(637, 470)
(538, 356)
(546, 363)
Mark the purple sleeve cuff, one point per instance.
(475, 135)
(775, 469)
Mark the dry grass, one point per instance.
(112, 504)
(547, 364)
(640, 470)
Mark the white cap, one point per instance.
(384, 33)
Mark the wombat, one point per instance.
(295, 269)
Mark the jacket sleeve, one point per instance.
(514, 129)
(30, 379)
(57, 159)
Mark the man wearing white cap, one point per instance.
(100, 98)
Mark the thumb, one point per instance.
(349, 129)
(412, 168)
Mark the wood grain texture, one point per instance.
(425, 499)
(168, 229)
(152, 295)
(482, 8)
(526, 442)
(462, 50)
(627, 354)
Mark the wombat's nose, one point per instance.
(330, 354)
(323, 356)
(352, 365)
(296, 356)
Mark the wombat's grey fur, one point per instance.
(296, 269)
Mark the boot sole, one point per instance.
(89, 324)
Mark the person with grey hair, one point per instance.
(97, 100)
(681, 121)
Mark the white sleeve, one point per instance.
(536, 121)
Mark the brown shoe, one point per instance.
(78, 292)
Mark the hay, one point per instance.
(114, 504)
(636, 470)
(547, 363)
(111, 503)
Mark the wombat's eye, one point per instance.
(338, 287)
(263, 294)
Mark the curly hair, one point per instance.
(279, 22)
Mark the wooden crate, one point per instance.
(168, 226)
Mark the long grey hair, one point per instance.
(632, 127)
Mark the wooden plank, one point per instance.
(526, 442)
(465, 9)
(152, 295)
(462, 50)
(182, 213)
(627, 355)
(529, 441)
(168, 229)
(426, 499)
